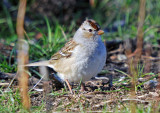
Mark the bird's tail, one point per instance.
(41, 63)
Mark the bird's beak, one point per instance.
(100, 32)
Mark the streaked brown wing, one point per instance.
(66, 51)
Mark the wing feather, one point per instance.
(66, 51)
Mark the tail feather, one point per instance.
(41, 63)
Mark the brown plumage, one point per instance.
(66, 51)
(94, 24)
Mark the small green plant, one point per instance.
(139, 73)
(10, 102)
(4, 67)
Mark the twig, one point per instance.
(103, 103)
(140, 32)
(120, 49)
(150, 58)
(138, 53)
(27, 35)
(63, 33)
(37, 83)
(11, 82)
(22, 57)
(142, 101)
(4, 84)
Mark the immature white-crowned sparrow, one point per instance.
(82, 58)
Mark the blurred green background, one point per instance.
(50, 23)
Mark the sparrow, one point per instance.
(82, 58)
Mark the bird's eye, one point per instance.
(90, 30)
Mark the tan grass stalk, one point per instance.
(138, 53)
(22, 57)
(140, 31)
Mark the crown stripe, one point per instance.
(94, 25)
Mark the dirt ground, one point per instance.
(110, 90)
(100, 95)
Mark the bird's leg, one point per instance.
(82, 87)
(69, 86)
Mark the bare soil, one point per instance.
(109, 91)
